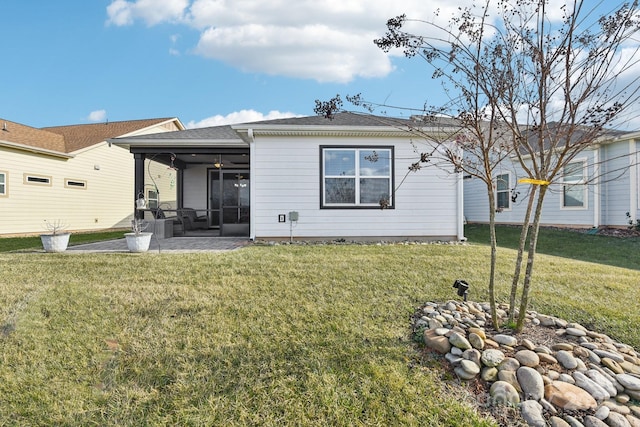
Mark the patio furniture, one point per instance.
(192, 221)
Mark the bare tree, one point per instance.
(528, 83)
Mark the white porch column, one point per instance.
(252, 186)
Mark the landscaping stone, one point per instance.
(492, 357)
(590, 386)
(476, 341)
(617, 420)
(527, 358)
(508, 340)
(509, 364)
(503, 393)
(558, 422)
(591, 421)
(459, 341)
(436, 342)
(531, 412)
(570, 376)
(629, 382)
(566, 359)
(531, 383)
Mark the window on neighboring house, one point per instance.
(503, 192)
(75, 183)
(573, 188)
(359, 177)
(152, 199)
(3, 184)
(37, 179)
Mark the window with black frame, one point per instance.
(356, 177)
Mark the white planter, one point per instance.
(55, 242)
(138, 242)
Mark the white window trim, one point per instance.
(5, 192)
(76, 187)
(356, 177)
(583, 181)
(28, 176)
(149, 198)
(508, 192)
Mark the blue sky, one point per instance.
(203, 61)
(207, 62)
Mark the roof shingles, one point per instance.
(67, 139)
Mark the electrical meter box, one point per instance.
(293, 216)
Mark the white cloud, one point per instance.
(328, 41)
(122, 12)
(97, 116)
(242, 116)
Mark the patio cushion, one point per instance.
(192, 221)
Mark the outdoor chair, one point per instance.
(191, 220)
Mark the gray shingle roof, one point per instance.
(209, 133)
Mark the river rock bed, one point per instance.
(556, 373)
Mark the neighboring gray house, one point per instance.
(596, 189)
(253, 179)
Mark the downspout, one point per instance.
(596, 186)
(460, 207)
(252, 185)
(633, 183)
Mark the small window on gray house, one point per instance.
(574, 188)
(503, 196)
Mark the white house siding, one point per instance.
(106, 170)
(616, 183)
(612, 185)
(286, 177)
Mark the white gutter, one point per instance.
(252, 185)
(36, 150)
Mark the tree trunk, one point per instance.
(521, 245)
(533, 241)
(494, 255)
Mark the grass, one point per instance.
(619, 252)
(284, 335)
(8, 244)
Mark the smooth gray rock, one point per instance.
(527, 358)
(459, 341)
(590, 386)
(629, 382)
(531, 412)
(509, 340)
(602, 381)
(503, 393)
(531, 383)
(492, 357)
(566, 359)
(591, 421)
(617, 420)
(558, 422)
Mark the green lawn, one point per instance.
(8, 244)
(265, 335)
